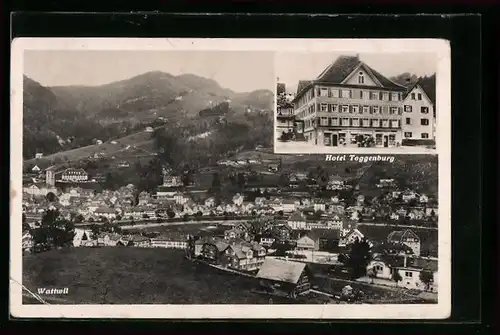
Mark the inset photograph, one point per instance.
(356, 103)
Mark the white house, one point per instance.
(35, 169)
(419, 120)
(83, 238)
(288, 205)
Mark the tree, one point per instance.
(281, 213)
(397, 277)
(54, 230)
(199, 214)
(216, 183)
(95, 230)
(426, 277)
(358, 259)
(145, 216)
(51, 197)
(118, 217)
(171, 214)
(241, 180)
(79, 218)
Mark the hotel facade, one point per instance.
(350, 104)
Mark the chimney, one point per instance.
(357, 56)
(405, 259)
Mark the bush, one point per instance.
(412, 142)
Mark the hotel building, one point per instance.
(348, 103)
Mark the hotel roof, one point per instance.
(340, 70)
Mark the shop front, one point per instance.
(333, 137)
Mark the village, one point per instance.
(271, 231)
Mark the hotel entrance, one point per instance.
(330, 139)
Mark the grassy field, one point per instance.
(137, 276)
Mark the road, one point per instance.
(396, 226)
(307, 148)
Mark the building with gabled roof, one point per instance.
(349, 104)
(286, 278)
(419, 116)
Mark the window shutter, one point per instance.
(329, 92)
(380, 96)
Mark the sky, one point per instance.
(240, 71)
(292, 66)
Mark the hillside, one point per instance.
(58, 119)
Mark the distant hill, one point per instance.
(63, 118)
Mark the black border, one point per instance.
(464, 33)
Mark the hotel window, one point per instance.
(384, 110)
(361, 78)
(366, 122)
(323, 92)
(366, 109)
(420, 96)
(375, 109)
(424, 122)
(373, 96)
(424, 110)
(346, 93)
(324, 121)
(355, 122)
(335, 121)
(324, 107)
(355, 109)
(413, 96)
(394, 96)
(375, 123)
(356, 94)
(424, 135)
(345, 122)
(334, 108)
(385, 123)
(408, 120)
(394, 123)
(408, 134)
(345, 109)
(335, 93)
(407, 109)
(394, 110)
(386, 96)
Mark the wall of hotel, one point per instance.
(412, 126)
(363, 110)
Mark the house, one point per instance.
(27, 241)
(74, 175)
(109, 239)
(281, 232)
(98, 142)
(409, 269)
(246, 256)
(210, 202)
(347, 104)
(319, 240)
(144, 198)
(149, 129)
(406, 237)
(83, 238)
(173, 240)
(408, 195)
(170, 180)
(423, 199)
(335, 222)
(352, 236)
(319, 205)
(35, 169)
(106, 212)
(39, 189)
(38, 155)
(419, 121)
(123, 165)
(288, 205)
(234, 234)
(386, 183)
(284, 118)
(180, 198)
(267, 240)
(213, 249)
(285, 278)
(139, 241)
(238, 199)
(297, 221)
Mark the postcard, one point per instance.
(230, 178)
